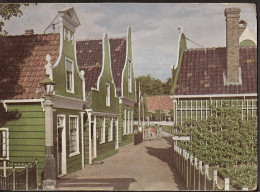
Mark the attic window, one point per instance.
(129, 76)
(69, 76)
(107, 94)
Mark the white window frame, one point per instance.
(77, 152)
(128, 122)
(111, 129)
(7, 143)
(129, 77)
(132, 121)
(108, 94)
(124, 123)
(103, 136)
(72, 75)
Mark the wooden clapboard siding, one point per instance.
(73, 163)
(124, 139)
(27, 134)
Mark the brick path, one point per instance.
(146, 166)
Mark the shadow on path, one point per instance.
(167, 155)
(118, 184)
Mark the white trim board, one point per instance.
(213, 95)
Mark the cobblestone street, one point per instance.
(147, 166)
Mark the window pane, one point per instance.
(73, 135)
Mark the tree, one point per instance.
(8, 10)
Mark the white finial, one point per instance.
(82, 72)
(48, 58)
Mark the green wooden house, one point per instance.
(102, 103)
(123, 74)
(207, 76)
(24, 61)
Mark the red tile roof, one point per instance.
(22, 63)
(159, 102)
(89, 57)
(201, 72)
(118, 57)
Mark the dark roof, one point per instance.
(201, 72)
(89, 57)
(159, 102)
(22, 64)
(118, 57)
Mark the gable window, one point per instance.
(69, 76)
(110, 130)
(129, 77)
(124, 127)
(74, 135)
(103, 130)
(107, 94)
(4, 143)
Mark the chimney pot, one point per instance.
(29, 32)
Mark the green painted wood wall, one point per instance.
(27, 134)
(59, 73)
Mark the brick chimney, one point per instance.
(29, 32)
(233, 31)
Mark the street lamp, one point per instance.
(49, 180)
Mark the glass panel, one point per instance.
(73, 135)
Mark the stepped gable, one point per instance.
(22, 63)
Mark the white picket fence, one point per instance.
(192, 173)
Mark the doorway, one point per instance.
(61, 145)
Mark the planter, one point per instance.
(138, 138)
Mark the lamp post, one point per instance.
(49, 181)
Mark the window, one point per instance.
(129, 77)
(69, 76)
(124, 127)
(110, 130)
(103, 130)
(132, 120)
(107, 94)
(4, 143)
(74, 135)
(128, 122)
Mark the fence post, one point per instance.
(194, 176)
(36, 164)
(200, 170)
(191, 162)
(26, 177)
(187, 169)
(13, 171)
(4, 164)
(206, 174)
(215, 179)
(226, 184)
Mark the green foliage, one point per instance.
(223, 139)
(245, 176)
(8, 10)
(153, 86)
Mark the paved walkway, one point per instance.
(146, 166)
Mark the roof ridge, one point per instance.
(22, 35)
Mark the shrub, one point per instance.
(223, 139)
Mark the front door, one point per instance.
(59, 156)
(61, 145)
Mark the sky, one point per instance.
(154, 27)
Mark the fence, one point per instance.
(191, 172)
(22, 176)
